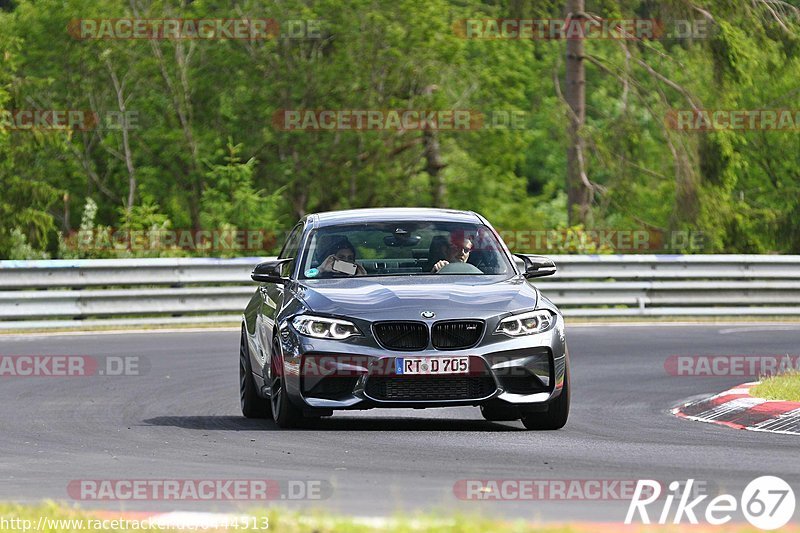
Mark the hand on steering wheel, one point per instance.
(439, 265)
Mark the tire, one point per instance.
(253, 406)
(494, 412)
(557, 412)
(284, 412)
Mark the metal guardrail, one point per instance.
(124, 272)
(56, 293)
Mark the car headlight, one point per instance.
(324, 328)
(526, 323)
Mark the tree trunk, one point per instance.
(434, 166)
(119, 88)
(67, 228)
(579, 193)
(433, 159)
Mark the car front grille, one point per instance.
(456, 334)
(402, 335)
(431, 388)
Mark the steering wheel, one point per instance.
(459, 268)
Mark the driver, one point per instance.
(343, 250)
(457, 252)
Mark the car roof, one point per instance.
(392, 214)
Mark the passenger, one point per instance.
(343, 250)
(457, 252)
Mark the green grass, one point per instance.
(283, 521)
(275, 520)
(782, 387)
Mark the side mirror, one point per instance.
(537, 266)
(270, 271)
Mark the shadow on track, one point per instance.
(211, 422)
(238, 423)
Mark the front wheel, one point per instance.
(284, 412)
(557, 412)
(253, 406)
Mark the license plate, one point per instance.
(431, 365)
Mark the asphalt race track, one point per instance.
(181, 420)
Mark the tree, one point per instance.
(579, 190)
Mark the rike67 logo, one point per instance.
(767, 502)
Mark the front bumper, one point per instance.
(526, 372)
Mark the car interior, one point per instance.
(406, 259)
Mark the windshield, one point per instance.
(403, 249)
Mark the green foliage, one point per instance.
(233, 199)
(202, 151)
(24, 195)
(20, 248)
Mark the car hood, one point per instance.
(404, 298)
